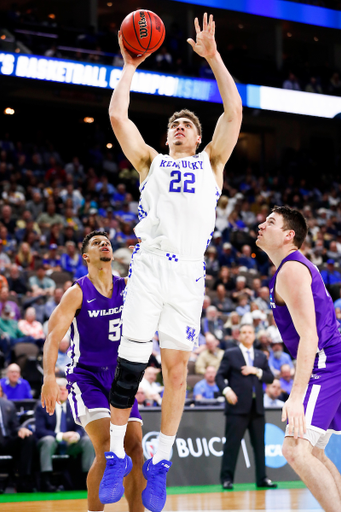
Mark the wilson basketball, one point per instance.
(142, 32)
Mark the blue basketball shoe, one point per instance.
(154, 496)
(111, 487)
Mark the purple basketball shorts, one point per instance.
(322, 401)
(89, 389)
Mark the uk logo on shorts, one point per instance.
(190, 333)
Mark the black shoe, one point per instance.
(227, 485)
(267, 483)
(46, 485)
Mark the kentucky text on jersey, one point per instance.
(326, 322)
(183, 163)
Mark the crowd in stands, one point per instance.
(46, 35)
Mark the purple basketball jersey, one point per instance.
(96, 330)
(326, 323)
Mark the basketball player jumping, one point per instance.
(305, 316)
(165, 290)
(93, 308)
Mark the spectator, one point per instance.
(314, 86)
(53, 302)
(212, 263)
(40, 283)
(163, 60)
(243, 304)
(334, 87)
(16, 283)
(286, 380)
(210, 356)
(18, 442)
(272, 392)
(223, 303)
(141, 398)
(59, 433)
(35, 205)
(233, 322)
(273, 331)
(206, 388)
(52, 260)
(7, 219)
(263, 299)
(211, 323)
(30, 327)
(5, 261)
(291, 83)
(241, 288)
(246, 260)
(10, 334)
(14, 386)
(225, 278)
(46, 219)
(330, 275)
(278, 358)
(63, 358)
(71, 260)
(15, 313)
(149, 385)
(3, 282)
(26, 257)
(258, 320)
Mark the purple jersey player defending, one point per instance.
(93, 306)
(304, 314)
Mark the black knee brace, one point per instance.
(127, 378)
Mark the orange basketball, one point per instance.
(143, 32)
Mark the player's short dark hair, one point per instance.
(91, 235)
(190, 115)
(293, 219)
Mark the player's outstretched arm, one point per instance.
(294, 287)
(227, 129)
(133, 146)
(59, 323)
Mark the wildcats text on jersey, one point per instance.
(104, 312)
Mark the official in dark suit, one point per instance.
(245, 370)
(59, 433)
(18, 442)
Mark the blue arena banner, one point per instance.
(278, 9)
(159, 84)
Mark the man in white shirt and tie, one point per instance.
(240, 378)
(58, 433)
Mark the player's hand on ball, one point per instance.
(128, 57)
(293, 411)
(205, 44)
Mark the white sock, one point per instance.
(117, 433)
(164, 448)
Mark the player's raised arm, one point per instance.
(228, 126)
(294, 287)
(59, 323)
(133, 146)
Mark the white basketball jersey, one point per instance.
(177, 205)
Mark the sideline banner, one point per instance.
(199, 445)
(64, 71)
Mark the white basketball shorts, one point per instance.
(165, 293)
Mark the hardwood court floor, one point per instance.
(283, 500)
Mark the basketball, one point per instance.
(142, 32)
